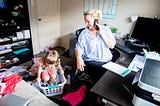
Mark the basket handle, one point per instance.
(53, 86)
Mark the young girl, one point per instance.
(48, 65)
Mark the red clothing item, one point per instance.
(75, 97)
(11, 82)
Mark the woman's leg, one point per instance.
(95, 69)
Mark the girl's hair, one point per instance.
(96, 14)
(51, 57)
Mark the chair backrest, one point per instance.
(79, 31)
(115, 54)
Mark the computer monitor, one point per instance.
(147, 31)
(3, 4)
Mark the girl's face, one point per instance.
(89, 21)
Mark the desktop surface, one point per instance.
(110, 87)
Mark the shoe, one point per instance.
(85, 77)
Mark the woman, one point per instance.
(93, 46)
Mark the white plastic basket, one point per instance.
(56, 89)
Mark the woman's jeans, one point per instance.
(95, 70)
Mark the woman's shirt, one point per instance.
(93, 47)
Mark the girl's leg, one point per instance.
(53, 75)
(45, 76)
(52, 79)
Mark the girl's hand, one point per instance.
(60, 67)
(58, 62)
(37, 80)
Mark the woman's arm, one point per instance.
(107, 36)
(80, 61)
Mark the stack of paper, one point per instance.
(116, 68)
(137, 63)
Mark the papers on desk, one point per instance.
(151, 55)
(116, 68)
(137, 63)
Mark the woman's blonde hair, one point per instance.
(96, 14)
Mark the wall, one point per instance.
(71, 12)
(71, 18)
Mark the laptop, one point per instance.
(13, 100)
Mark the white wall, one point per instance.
(71, 17)
(71, 13)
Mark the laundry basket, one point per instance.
(55, 89)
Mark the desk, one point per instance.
(110, 88)
(110, 85)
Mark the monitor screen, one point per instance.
(3, 4)
(147, 31)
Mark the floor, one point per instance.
(75, 84)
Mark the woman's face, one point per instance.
(89, 21)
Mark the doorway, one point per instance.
(45, 23)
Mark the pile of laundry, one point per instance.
(8, 83)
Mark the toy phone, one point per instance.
(95, 26)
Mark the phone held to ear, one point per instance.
(95, 26)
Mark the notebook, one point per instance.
(13, 100)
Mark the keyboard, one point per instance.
(124, 49)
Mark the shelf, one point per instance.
(15, 36)
(9, 64)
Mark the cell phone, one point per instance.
(95, 26)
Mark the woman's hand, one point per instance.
(107, 36)
(80, 64)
